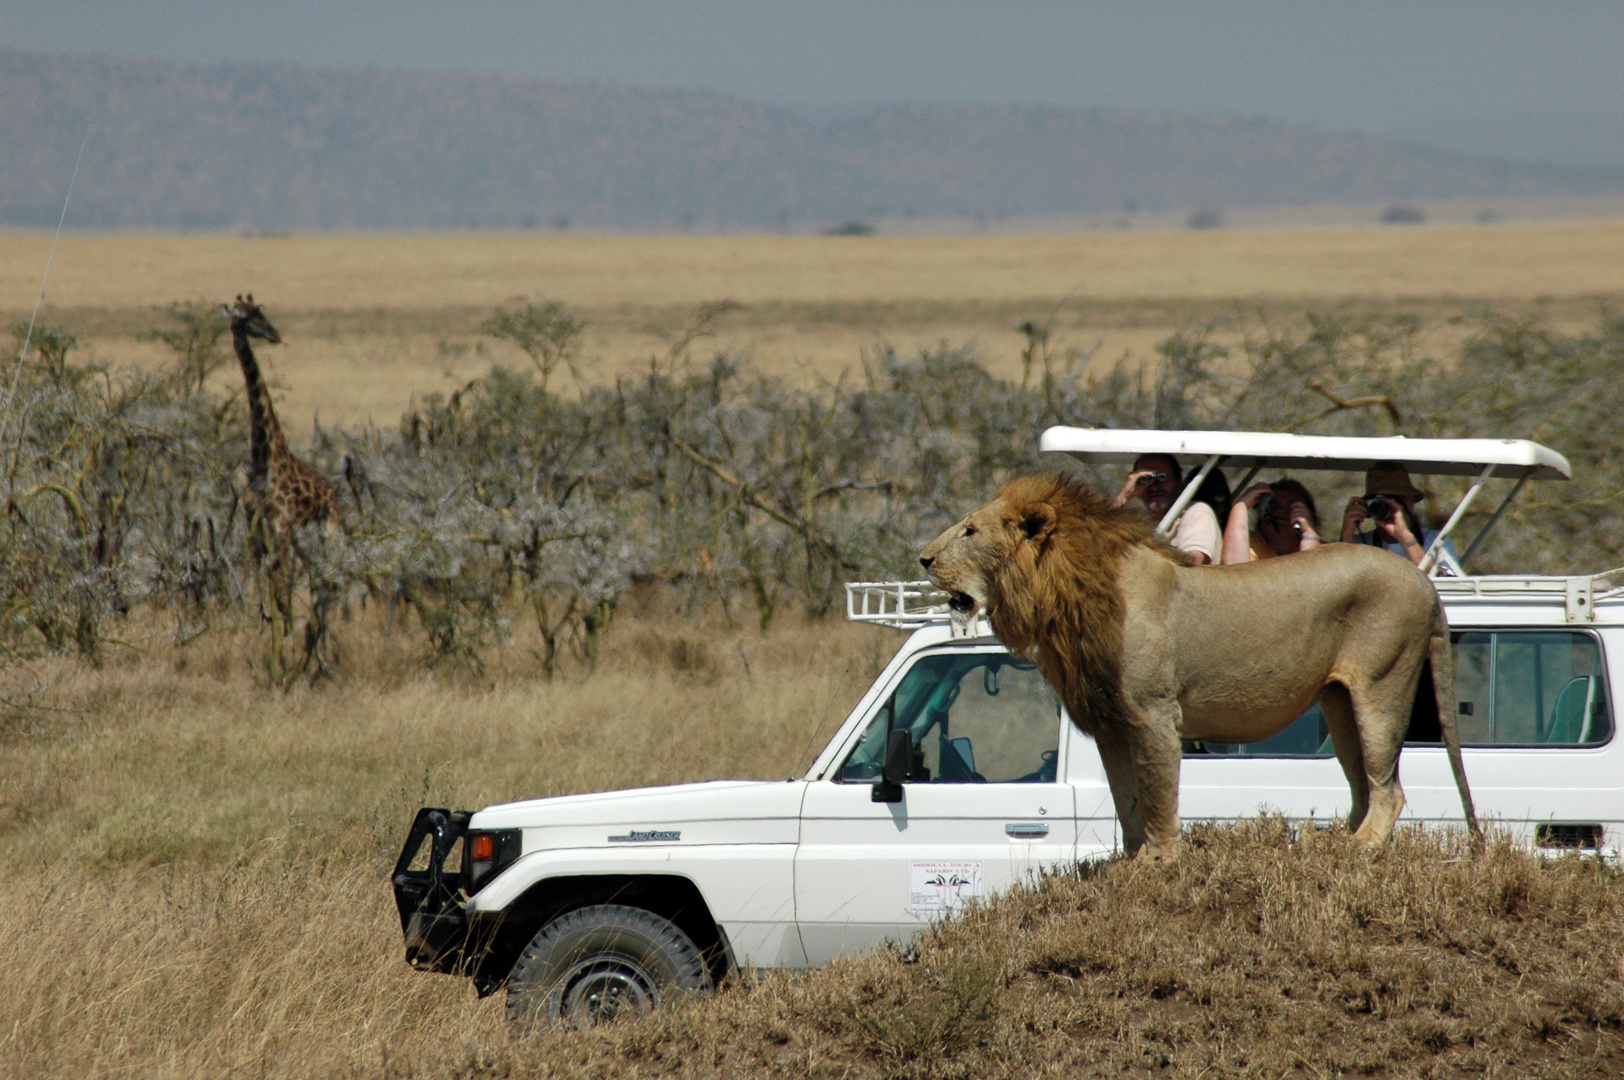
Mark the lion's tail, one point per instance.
(1443, 683)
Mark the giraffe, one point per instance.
(283, 494)
(286, 492)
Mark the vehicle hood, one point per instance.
(716, 812)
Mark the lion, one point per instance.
(1145, 650)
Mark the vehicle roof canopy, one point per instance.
(1510, 458)
(1482, 459)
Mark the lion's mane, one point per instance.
(1061, 602)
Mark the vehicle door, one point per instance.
(1537, 729)
(982, 807)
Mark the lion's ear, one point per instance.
(1037, 522)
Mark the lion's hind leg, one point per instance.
(1337, 708)
(1381, 714)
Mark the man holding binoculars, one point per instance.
(1156, 481)
(1389, 504)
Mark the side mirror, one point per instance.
(898, 761)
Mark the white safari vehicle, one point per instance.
(958, 774)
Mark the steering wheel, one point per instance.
(1046, 772)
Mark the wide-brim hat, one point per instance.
(1391, 478)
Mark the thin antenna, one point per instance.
(39, 299)
(839, 691)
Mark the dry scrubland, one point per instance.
(372, 320)
(195, 875)
(194, 866)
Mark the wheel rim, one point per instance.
(606, 988)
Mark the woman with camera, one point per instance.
(1287, 522)
(1389, 504)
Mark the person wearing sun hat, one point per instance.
(1397, 529)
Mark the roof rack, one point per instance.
(908, 605)
(1516, 459)
(1580, 592)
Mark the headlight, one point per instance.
(489, 852)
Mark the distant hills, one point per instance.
(278, 147)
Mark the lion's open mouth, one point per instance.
(961, 603)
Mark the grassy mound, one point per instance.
(1258, 954)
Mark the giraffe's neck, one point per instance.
(266, 441)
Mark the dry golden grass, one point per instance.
(142, 762)
(194, 871)
(369, 320)
(427, 272)
(203, 863)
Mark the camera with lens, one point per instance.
(1268, 509)
(1379, 508)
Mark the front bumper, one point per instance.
(433, 900)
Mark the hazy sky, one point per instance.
(1521, 80)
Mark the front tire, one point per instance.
(602, 963)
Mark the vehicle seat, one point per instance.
(1570, 716)
(957, 763)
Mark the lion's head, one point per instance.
(1041, 561)
(970, 558)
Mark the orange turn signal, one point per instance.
(484, 847)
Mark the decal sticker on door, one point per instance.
(942, 888)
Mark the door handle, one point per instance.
(1035, 830)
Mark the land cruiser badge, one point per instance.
(648, 836)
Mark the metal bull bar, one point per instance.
(431, 901)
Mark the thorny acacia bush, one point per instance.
(119, 489)
(710, 481)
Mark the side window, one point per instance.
(1513, 688)
(1530, 688)
(863, 763)
(973, 718)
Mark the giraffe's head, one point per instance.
(249, 317)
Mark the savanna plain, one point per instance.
(195, 855)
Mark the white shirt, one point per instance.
(1197, 531)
